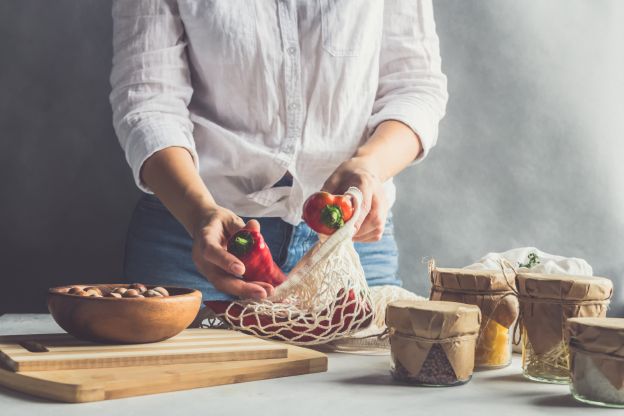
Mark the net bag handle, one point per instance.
(321, 250)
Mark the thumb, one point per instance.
(253, 225)
(233, 225)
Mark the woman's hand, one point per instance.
(391, 147)
(172, 175)
(210, 235)
(360, 172)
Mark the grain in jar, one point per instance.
(546, 302)
(493, 292)
(432, 343)
(597, 360)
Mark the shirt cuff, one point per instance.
(418, 118)
(147, 138)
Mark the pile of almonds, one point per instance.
(135, 290)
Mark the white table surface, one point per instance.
(354, 385)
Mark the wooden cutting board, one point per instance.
(88, 385)
(62, 351)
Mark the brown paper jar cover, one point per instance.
(548, 300)
(415, 326)
(491, 290)
(603, 339)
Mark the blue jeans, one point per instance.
(158, 250)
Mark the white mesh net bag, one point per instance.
(373, 340)
(325, 297)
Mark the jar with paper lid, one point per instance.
(597, 360)
(546, 302)
(432, 343)
(493, 292)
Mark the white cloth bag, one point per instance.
(548, 263)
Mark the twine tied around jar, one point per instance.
(503, 262)
(391, 332)
(501, 294)
(603, 355)
(505, 265)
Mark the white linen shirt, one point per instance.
(257, 88)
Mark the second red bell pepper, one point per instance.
(249, 246)
(341, 316)
(325, 213)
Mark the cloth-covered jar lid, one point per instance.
(490, 290)
(468, 280)
(546, 301)
(433, 319)
(564, 287)
(600, 335)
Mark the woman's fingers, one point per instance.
(370, 237)
(216, 264)
(209, 250)
(235, 286)
(365, 209)
(234, 224)
(217, 255)
(269, 288)
(253, 225)
(227, 283)
(373, 225)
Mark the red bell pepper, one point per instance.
(325, 213)
(248, 245)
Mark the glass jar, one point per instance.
(493, 346)
(549, 367)
(590, 385)
(436, 371)
(597, 360)
(493, 292)
(432, 343)
(546, 302)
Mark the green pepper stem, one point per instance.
(241, 244)
(331, 216)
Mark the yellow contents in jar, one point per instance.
(494, 348)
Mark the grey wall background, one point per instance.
(529, 153)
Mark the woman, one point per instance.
(231, 109)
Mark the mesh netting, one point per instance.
(373, 340)
(325, 297)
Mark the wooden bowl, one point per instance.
(125, 320)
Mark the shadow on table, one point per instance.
(380, 380)
(515, 378)
(370, 380)
(559, 400)
(17, 395)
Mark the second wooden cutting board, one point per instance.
(63, 352)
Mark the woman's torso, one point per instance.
(279, 86)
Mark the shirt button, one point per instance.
(292, 50)
(293, 106)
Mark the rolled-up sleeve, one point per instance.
(412, 88)
(150, 80)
